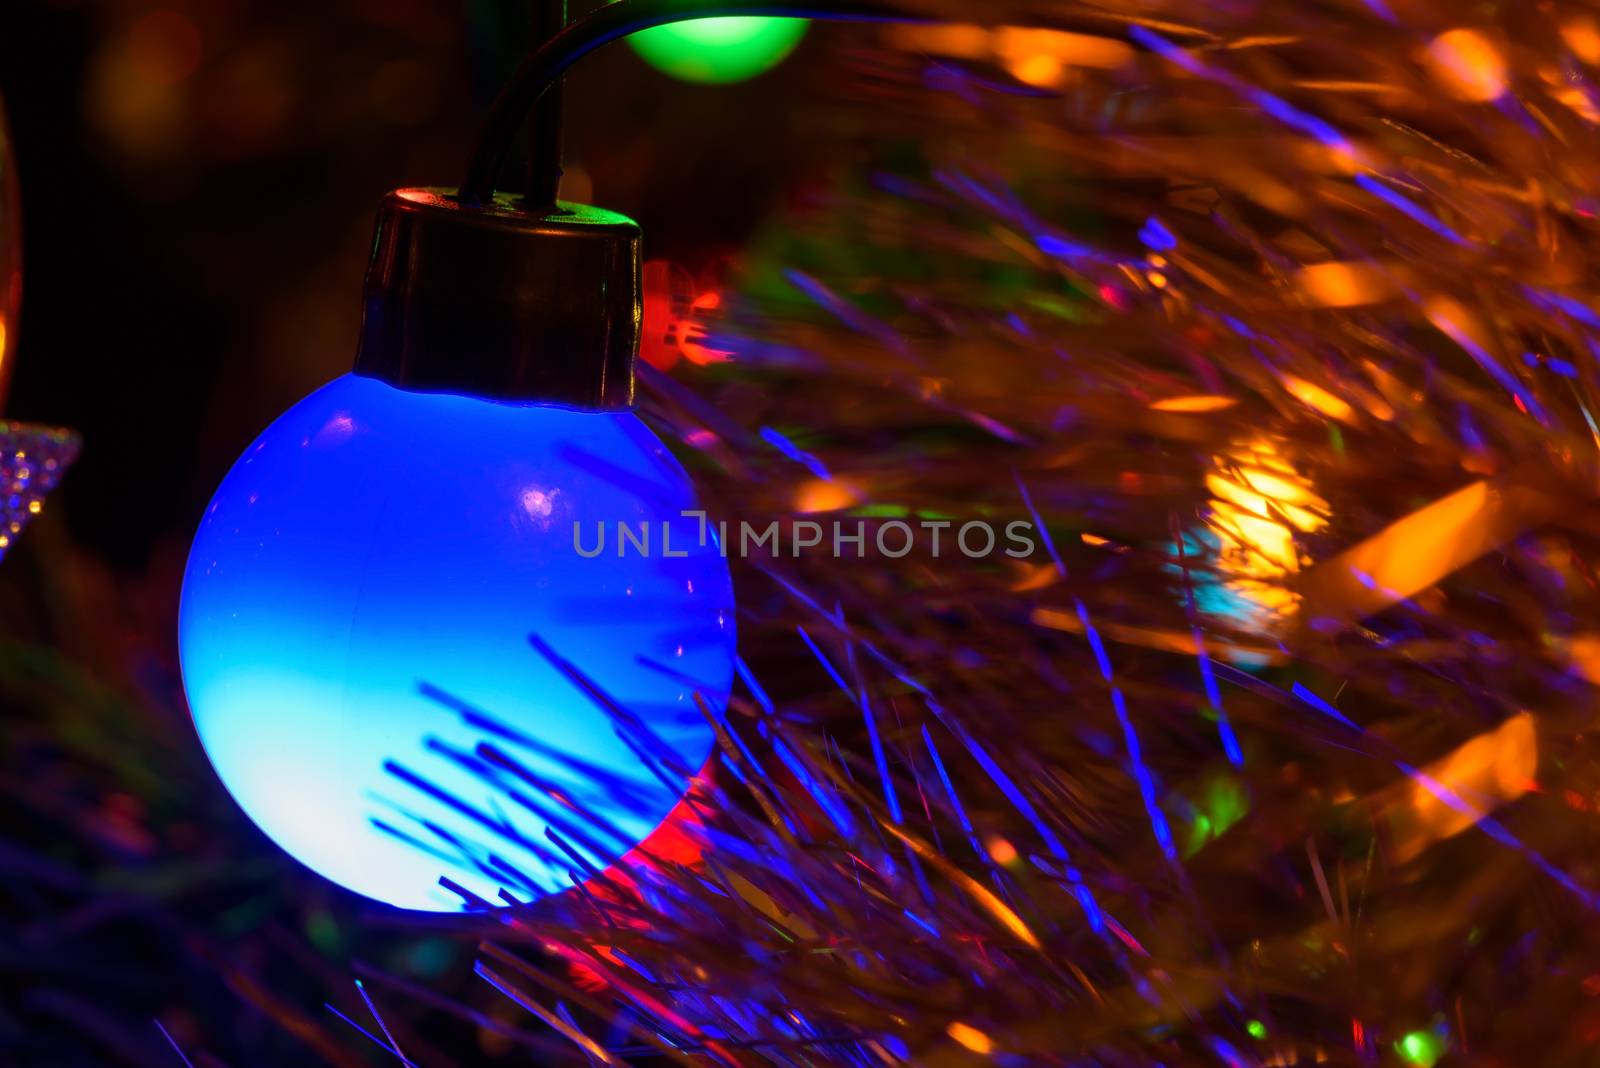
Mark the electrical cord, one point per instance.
(530, 85)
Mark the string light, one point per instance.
(401, 601)
(719, 51)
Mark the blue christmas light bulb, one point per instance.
(394, 619)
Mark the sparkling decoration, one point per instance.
(33, 460)
(10, 255)
(719, 51)
(404, 611)
(34, 457)
(1279, 322)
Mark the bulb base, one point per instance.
(500, 302)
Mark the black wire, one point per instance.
(544, 139)
(544, 67)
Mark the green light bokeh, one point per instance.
(1422, 1048)
(719, 51)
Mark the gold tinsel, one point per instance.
(1281, 319)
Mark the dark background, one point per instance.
(199, 181)
(198, 184)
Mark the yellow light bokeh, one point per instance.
(1583, 37)
(1259, 504)
(1468, 65)
(1343, 285)
(970, 1037)
(1038, 57)
(1199, 402)
(1315, 396)
(825, 495)
(1459, 789)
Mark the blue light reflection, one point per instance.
(375, 543)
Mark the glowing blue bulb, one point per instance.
(373, 543)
